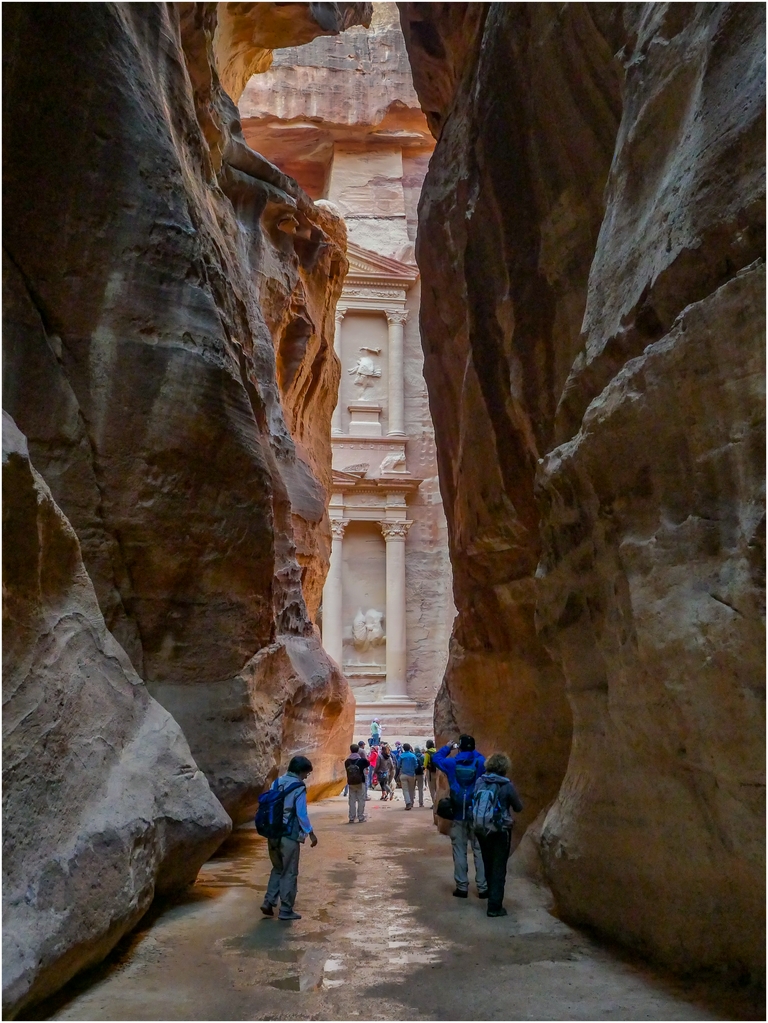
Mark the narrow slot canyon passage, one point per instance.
(380, 938)
(396, 373)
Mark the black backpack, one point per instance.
(355, 772)
(419, 763)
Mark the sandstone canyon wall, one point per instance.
(591, 244)
(168, 355)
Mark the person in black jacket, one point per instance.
(495, 841)
(356, 767)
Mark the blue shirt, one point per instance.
(447, 764)
(408, 763)
(294, 801)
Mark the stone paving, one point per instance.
(380, 938)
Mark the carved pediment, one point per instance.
(366, 267)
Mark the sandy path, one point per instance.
(381, 938)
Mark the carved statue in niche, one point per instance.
(394, 463)
(366, 630)
(364, 371)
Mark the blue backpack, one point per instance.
(269, 816)
(461, 795)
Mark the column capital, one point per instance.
(337, 528)
(396, 315)
(397, 530)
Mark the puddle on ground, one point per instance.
(292, 983)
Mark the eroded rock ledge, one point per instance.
(592, 253)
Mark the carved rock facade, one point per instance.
(168, 333)
(591, 245)
(342, 116)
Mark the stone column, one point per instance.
(396, 321)
(336, 417)
(394, 534)
(333, 623)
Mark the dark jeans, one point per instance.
(495, 850)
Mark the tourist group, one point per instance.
(480, 804)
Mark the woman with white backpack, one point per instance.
(494, 799)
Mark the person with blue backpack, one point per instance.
(283, 820)
(494, 800)
(462, 772)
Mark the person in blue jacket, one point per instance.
(462, 772)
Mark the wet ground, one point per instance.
(380, 938)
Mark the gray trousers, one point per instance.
(357, 801)
(461, 834)
(420, 788)
(408, 785)
(284, 879)
(432, 783)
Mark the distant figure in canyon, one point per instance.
(419, 775)
(430, 768)
(494, 799)
(373, 756)
(407, 770)
(375, 739)
(462, 773)
(356, 767)
(385, 772)
(284, 852)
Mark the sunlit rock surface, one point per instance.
(591, 247)
(168, 352)
(247, 33)
(103, 804)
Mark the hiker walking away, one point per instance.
(462, 772)
(385, 771)
(419, 775)
(375, 739)
(494, 800)
(430, 769)
(356, 767)
(408, 765)
(288, 834)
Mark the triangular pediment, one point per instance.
(370, 266)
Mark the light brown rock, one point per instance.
(246, 33)
(155, 270)
(591, 244)
(103, 804)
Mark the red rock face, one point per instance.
(591, 246)
(168, 352)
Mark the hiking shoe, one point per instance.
(483, 894)
(361, 820)
(351, 820)
(496, 912)
(459, 894)
(266, 909)
(409, 806)
(290, 915)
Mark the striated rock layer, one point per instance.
(103, 805)
(168, 352)
(592, 252)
